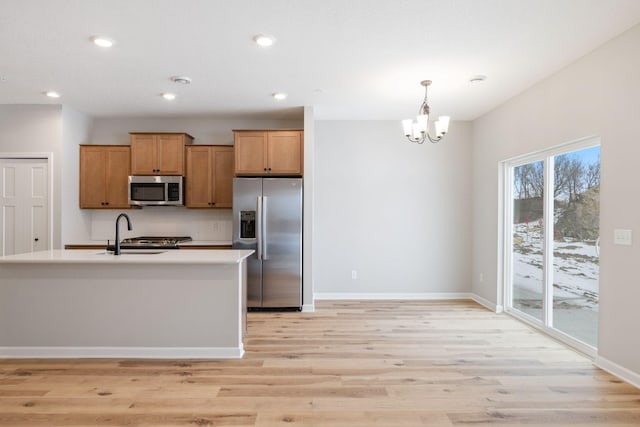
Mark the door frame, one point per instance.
(48, 156)
(505, 241)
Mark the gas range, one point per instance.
(153, 242)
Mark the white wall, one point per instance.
(36, 129)
(308, 231)
(597, 95)
(76, 130)
(203, 129)
(399, 213)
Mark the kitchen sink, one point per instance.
(133, 252)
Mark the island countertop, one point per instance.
(136, 256)
(86, 303)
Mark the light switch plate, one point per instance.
(622, 237)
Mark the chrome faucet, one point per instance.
(117, 250)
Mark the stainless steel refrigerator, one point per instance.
(267, 217)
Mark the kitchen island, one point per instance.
(86, 303)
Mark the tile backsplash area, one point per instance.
(200, 224)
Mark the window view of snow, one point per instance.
(575, 270)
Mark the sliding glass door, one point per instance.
(528, 239)
(553, 255)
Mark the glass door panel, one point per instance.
(528, 239)
(576, 267)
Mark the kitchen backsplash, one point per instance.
(200, 224)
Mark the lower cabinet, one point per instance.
(104, 174)
(209, 176)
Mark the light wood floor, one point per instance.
(348, 364)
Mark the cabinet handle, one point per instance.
(36, 239)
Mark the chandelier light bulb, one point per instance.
(102, 41)
(418, 131)
(264, 40)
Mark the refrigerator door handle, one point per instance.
(259, 230)
(265, 255)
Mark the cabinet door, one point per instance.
(284, 153)
(250, 153)
(223, 177)
(170, 154)
(92, 177)
(117, 172)
(104, 173)
(198, 183)
(143, 155)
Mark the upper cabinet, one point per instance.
(209, 179)
(158, 153)
(104, 174)
(268, 152)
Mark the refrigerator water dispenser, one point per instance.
(247, 224)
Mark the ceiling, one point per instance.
(350, 59)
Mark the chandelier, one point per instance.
(418, 131)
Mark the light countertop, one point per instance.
(136, 256)
(205, 243)
(102, 243)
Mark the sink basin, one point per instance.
(134, 252)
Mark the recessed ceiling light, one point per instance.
(52, 94)
(102, 41)
(181, 79)
(169, 96)
(279, 96)
(477, 78)
(264, 40)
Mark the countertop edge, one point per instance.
(75, 256)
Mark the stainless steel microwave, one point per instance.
(156, 190)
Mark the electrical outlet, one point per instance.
(481, 277)
(354, 274)
(622, 237)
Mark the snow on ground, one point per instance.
(575, 271)
(575, 281)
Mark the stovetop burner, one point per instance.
(150, 242)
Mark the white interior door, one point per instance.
(24, 205)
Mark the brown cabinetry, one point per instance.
(158, 153)
(268, 152)
(209, 179)
(104, 173)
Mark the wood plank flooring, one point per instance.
(351, 363)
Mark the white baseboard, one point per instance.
(391, 296)
(485, 302)
(308, 308)
(122, 352)
(617, 370)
